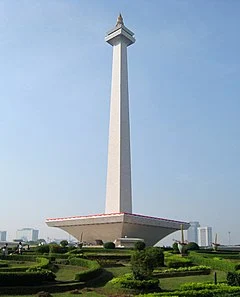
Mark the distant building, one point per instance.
(204, 236)
(27, 234)
(192, 232)
(3, 235)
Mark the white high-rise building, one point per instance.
(192, 232)
(27, 234)
(205, 236)
(3, 235)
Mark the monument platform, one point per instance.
(109, 227)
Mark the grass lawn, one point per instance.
(173, 283)
(67, 272)
(116, 271)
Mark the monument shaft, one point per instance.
(119, 189)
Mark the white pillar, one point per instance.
(119, 189)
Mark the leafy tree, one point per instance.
(192, 246)
(145, 261)
(57, 249)
(42, 249)
(139, 245)
(109, 245)
(64, 243)
(175, 247)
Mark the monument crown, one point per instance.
(119, 20)
(120, 33)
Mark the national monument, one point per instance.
(118, 220)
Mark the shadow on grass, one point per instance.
(101, 280)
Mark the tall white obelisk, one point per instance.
(119, 188)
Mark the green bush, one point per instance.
(3, 264)
(40, 263)
(215, 263)
(94, 269)
(182, 271)
(42, 249)
(233, 279)
(176, 261)
(192, 246)
(127, 281)
(143, 262)
(143, 285)
(175, 248)
(156, 253)
(200, 290)
(139, 245)
(17, 257)
(57, 249)
(64, 243)
(25, 278)
(109, 245)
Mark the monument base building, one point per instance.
(110, 227)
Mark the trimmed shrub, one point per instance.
(143, 262)
(192, 246)
(17, 257)
(176, 261)
(175, 248)
(3, 264)
(25, 278)
(40, 263)
(200, 290)
(143, 285)
(139, 245)
(127, 281)
(57, 249)
(93, 269)
(182, 271)
(64, 243)
(42, 249)
(233, 279)
(109, 245)
(215, 263)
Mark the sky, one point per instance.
(55, 78)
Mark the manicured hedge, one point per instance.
(93, 269)
(127, 281)
(99, 256)
(182, 271)
(106, 251)
(199, 290)
(143, 285)
(25, 278)
(214, 263)
(176, 261)
(3, 264)
(19, 257)
(40, 263)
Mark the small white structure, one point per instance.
(127, 242)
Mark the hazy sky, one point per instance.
(55, 75)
